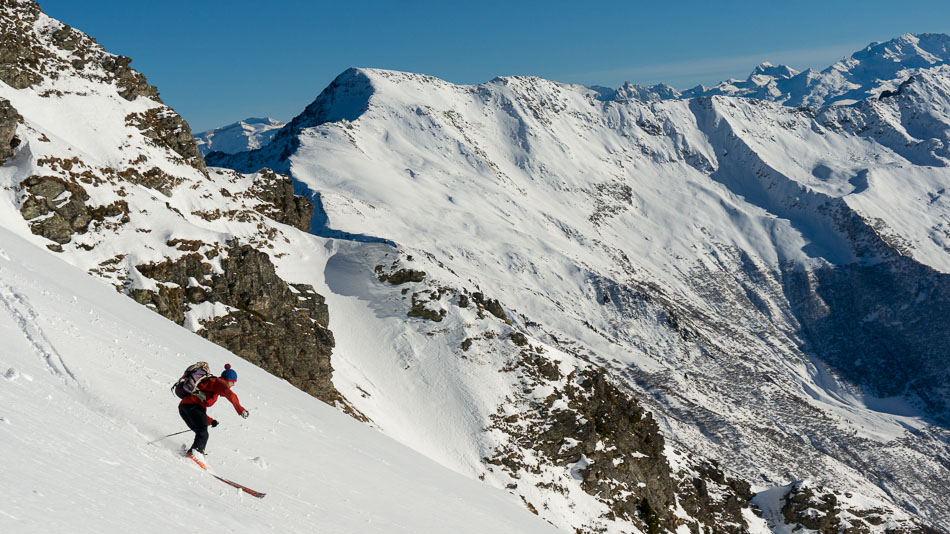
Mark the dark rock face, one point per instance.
(825, 513)
(167, 129)
(815, 512)
(26, 57)
(421, 306)
(629, 435)
(711, 497)
(131, 83)
(491, 305)
(20, 53)
(9, 118)
(280, 202)
(614, 447)
(278, 326)
(60, 209)
(401, 276)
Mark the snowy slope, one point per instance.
(247, 134)
(563, 286)
(84, 382)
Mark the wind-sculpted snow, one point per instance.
(764, 277)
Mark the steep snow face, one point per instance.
(739, 263)
(249, 134)
(84, 386)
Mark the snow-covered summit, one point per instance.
(864, 74)
(240, 136)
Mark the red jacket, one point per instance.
(213, 387)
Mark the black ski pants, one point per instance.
(196, 417)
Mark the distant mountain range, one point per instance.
(875, 70)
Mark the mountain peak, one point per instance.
(247, 134)
(907, 51)
(776, 71)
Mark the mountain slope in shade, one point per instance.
(248, 134)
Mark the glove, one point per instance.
(244, 414)
(214, 423)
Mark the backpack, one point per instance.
(188, 383)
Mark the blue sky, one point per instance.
(218, 61)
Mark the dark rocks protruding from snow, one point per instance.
(402, 276)
(167, 129)
(280, 202)
(713, 498)
(280, 327)
(30, 52)
(9, 118)
(57, 209)
(131, 84)
(825, 512)
(491, 305)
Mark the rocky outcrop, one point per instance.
(9, 118)
(30, 52)
(824, 512)
(278, 326)
(402, 276)
(131, 84)
(276, 191)
(614, 448)
(166, 129)
(712, 498)
(57, 209)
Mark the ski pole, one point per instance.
(170, 435)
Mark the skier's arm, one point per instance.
(226, 392)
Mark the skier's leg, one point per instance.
(196, 418)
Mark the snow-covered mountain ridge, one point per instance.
(528, 328)
(112, 182)
(871, 72)
(705, 251)
(248, 134)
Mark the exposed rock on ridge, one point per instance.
(28, 57)
(275, 325)
(9, 118)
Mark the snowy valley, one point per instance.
(575, 309)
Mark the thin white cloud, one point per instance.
(685, 74)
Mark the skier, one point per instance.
(193, 409)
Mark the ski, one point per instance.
(245, 489)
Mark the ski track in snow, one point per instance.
(25, 316)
